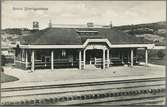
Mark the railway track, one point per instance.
(103, 92)
(80, 84)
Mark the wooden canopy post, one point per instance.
(108, 58)
(26, 60)
(22, 52)
(52, 60)
(84, 58)
(131, 57)
(14, 57)
(104, 59)
(146, 56)
(32, 61)
(80, 59)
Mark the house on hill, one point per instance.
(60, 47)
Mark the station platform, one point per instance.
(68, 76)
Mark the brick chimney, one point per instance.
(110, 25)
(50, 24)
(35, 25)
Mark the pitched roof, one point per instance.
(53, 36)
(71, 36)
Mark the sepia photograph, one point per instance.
(83, 52)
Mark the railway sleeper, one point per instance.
(85, 97)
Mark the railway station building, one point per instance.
(77, 47)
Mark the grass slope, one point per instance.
(7, 78)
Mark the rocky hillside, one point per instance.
(9, 36)
(151, 32)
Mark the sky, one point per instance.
(15, 15)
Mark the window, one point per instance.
(63, 53)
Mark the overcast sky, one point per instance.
(81, 12)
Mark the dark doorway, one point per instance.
(92, 54)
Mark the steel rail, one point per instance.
(81, 84)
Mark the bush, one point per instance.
(161, 54)
(7, 78)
